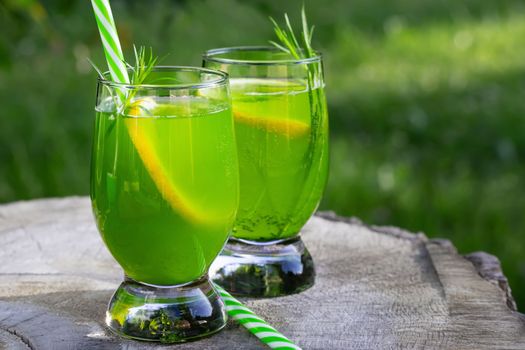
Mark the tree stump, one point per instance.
(376, 288)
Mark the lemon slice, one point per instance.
(253, 87)
(168, 189)
(288, 127)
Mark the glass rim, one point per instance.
(210, 55)
(222, 79)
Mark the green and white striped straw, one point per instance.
(235, 309)
(110, 41)
(255, 325)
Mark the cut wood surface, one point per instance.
(376, 288)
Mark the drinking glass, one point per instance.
(281, 127)
(164, 192)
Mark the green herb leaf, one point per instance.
(288, 39)
(145, 61)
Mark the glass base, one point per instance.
(167, 314)
(269, 269)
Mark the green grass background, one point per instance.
(426, 99)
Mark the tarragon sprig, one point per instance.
(299, 49)
(145, 61)
(302, 49)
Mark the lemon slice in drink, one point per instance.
(250, 90)
(288, 127)
(145, 147)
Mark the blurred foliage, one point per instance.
(426, 103)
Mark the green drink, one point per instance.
(283, 157)
(165, 191)
(156, 189)
(281, 126)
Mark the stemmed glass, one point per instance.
(164, 191)
(281, 126)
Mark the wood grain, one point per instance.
(377, 288)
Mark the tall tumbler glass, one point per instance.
(281, 127)
(164, 191)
